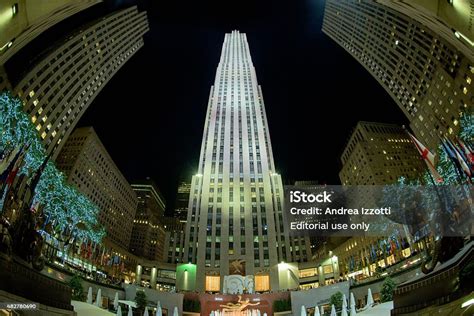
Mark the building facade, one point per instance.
(148, 233)
(174, 240)
(428, 76)
(88, 166)
(58, 90)
(21, 21)
(182, 201)
(235, 219)
(379, 154)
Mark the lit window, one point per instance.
(32, 93)
(213, 283)
(262, 283)
(43, 135)
(33, 118)
(38, 127)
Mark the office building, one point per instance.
(379, 154)
(182, 201)
(88, 166)
(174, 240)
(235, 221)
(22, 21)
(428, 76)
(148, 233)
(58, 89)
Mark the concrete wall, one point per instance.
(316, 297)
(43, 309)
(168, 300)
(186, 277)
(107, 291)
(360, 291)
(288, 276)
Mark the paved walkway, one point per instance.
(379, 310)
(84, 309)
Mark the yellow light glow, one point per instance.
(5, 16)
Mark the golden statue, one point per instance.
(239, 306)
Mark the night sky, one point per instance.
(150, 116)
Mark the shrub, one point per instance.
(191, 306)
(282, 305)
(388, 287)
(336, 300)
(141, 300)
(76, 286)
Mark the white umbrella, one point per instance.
(353, 310)
(344, 301)
(130, 313)
(344, 312)
(158, 304)
(316, 311)
(265, 314)
(352, 301)
(175, 311)
(303, 311)
(145, 313)
(370, 299)
(333, 310)
(116, 304)
(119, 311)
(322, 310)
(212, 313)
(89, 296)
(258, 313)
(159, 312)
(353, 305)
(98, 299)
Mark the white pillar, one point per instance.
(153, 278)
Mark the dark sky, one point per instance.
(150, 116)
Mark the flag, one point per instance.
(468, 151)
(5, 163)
(428, 157)
(37, 176)
(8, 164)
(16, 166)
(462, 160)
(373, 253)
(450, 152)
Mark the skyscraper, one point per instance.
(88, 166)
(379, 154)
(235, 217)
(148, 233)
(23, 21)
(58, 90)
(182, 201)
(423, 70)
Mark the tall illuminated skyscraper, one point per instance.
(62, 85)
(235, 220)
(426, 67)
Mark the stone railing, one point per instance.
(20, 279)
(439, 287)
